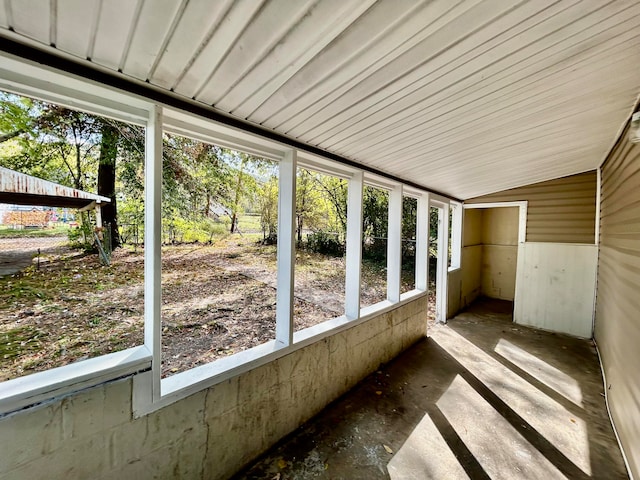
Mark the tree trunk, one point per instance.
(107, 180)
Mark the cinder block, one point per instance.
(81, 458)
(226, 449)
(30, 434)
(170, 423)
(96, 409)
(117, 402)
(223, 397)
(253, 382)
(174, 461)
(128, 443)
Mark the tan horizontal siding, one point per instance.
(561, 210)
(617, 321)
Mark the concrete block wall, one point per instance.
(211, 434)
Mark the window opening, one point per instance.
(409, 231)
(321, 225)
(72, 273)
(375, 227)
(219, 233)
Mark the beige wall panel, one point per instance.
(500, 226)
(499, 271)
(472, 227)
(211, 434)
(561, 210)
(465, 284)
(471, 285)
(617, 323)
(454, 290)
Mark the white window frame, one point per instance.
(456, 235)
(442, 265)
(150, 391)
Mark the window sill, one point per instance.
(32, 389)
(187, 383)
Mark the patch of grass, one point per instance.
(56, 231)
(19, 341)
(23, 289)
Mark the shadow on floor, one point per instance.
(480, 398)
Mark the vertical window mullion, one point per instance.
(443, 268)
(354, 246)
(394, 245)
(456, 236)
(286, 249)
(153, 243)
(422, 243)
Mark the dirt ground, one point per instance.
(217, 300)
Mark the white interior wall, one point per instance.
(556, 287)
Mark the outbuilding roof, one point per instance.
(20, 189)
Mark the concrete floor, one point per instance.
(480, 398)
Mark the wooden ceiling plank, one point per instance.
(268, 30)
(488, 41)
(25, 22)
(441, 107)
(288, 57)
(117, 19)
(194, 30)
(75, 22)
(559, 91)
(149, 36)
(355, 52)
(446, 33)
(218, 45)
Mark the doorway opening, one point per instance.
(492, 235)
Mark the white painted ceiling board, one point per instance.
(483, 119)
(466, 97)
(32, 18)
(197, 24)
(445, 33)
(445, 89)
(116, 21)
(235, 21)
(355, 51)
(263, 35)
(439, 74)
(290, 55)
(76, 24)
(490, 86)
(154, 25)
(394, 45)
(361, 114)
(4, 21)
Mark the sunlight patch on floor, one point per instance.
(562, 428)
(501, 451)
(425, 454)
(541, 370)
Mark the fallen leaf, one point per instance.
(276, 477)
(387, 448)
(282, 463)
(378, 392)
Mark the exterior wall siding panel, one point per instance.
(617, 322)
(559, 211)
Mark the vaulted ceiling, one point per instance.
(465, 97)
